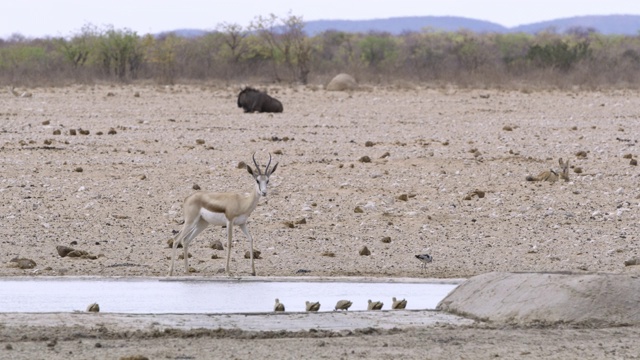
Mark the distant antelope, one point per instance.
(553, 175)
(203, 208)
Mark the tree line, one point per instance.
(276, 49)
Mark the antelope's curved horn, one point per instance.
(266, 170)
(256, 163)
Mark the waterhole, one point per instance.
(176, 296)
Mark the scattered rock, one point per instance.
(78, 169)
(93, 308)
(181, 256)
(385, 155)
(358, 210)
(365, 251)
(386, 239)
(577, 170)
(369, 143)
(22, 263)
(217, 245)
(72, 132)
(196, 187)
(134, 357)
(242, 165)
(256, 254)
(57, 132)
(342, 82)
(136, 94)
(633, 162)
(403, 197)
(64, 250)
(627, 156)
(301, 221)
(365, 159)
(112, 131)
(581, 154)
(476, 192)
(81, 254)
(215, 256)
(632, 262)
(507, 128)
(200, 141)
(328, 254)
(170, 243)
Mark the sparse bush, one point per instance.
(276, 49)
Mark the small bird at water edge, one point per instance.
(425, 258)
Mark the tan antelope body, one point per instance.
(203, 208)
(553, 175)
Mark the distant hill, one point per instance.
(399, 25)
(608, 25)
(604, 24)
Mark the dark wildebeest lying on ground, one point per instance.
(253, 100)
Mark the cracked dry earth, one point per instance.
(354, 168)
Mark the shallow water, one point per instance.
(156, 296)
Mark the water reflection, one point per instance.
(158, 297)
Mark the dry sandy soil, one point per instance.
(117, 193)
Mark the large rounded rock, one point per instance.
(548, 298)
(342, 82)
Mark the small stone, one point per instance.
(403, 197)
(365, 159)
(301, 221)
(215, 256)
(289, 224)
(633, 162)
(385, 155)
(632, 262)
(627, 156)
(256, 254)
(195, 187)
(369, 143)
(328, 254)
(386, 239)
(8, 347)
(93, 307)
(72, 132)
(577, 170)
(365, 251)
(46, 122)
(112, 131)
(581, 154)
(242, 165)
(217, 245)
(507, 128)
(200, 141)
(358, 210)
(170, 243)
(23, 263)
(136, 94)
(64, 250)
(78, 169)
(57, 132)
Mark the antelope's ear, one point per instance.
(274, 169)
(249, 170)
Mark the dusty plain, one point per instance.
(396, 163)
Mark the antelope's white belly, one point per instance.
(218, 219)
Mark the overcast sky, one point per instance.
(38, 18)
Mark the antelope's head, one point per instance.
(262, 179)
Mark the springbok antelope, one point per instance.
(203, 208)
(553, 175)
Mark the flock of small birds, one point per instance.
(345, 305)
(371, 305)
